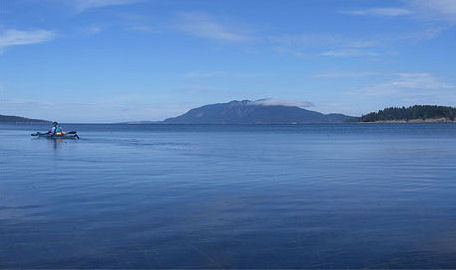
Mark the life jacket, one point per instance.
(57, 131)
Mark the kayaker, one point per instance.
(56, 129)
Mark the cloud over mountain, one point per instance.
(282, 102)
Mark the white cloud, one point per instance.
(441, 14)
(83, 5)
(405, 89)
(408, 85)
(282, 102)
(425, 34)
(92, 29)
(430, 9)
(386, 12)
(436, 9)
(419, 81)
(204, 26)
(331, 44)
(14, 37)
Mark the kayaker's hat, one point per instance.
(54, 123)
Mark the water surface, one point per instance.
(156, 196)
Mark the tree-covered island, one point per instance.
(417, 113)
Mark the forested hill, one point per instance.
(255, 112)
(417, 112)
(18, 119)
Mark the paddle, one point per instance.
(37, 134)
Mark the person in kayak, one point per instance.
(56, 130)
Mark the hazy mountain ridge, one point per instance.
(18, 119)
(251, 112)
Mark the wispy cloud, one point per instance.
(337, 75)
(83, 5)
(140, 23)
(424, 34)
(141, 28)
(441, 14)
(408, 85)
(128, 22)
(436, 9)
(385, 12)
(221, 74)
(307, 40)
(356, 43)
(419, 81)
(330, 45)
(322, 40)
(282, 102)
(198, 74)
(92, 29)
(348, 52)
(204, 26)
(404, 89)
(12, 37)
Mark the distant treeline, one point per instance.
(421, 112)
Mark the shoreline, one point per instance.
(435, 120)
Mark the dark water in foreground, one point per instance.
(313, 196)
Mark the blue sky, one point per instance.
(120, 60)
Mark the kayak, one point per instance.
(68, 135)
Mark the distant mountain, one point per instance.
(417, 113)
(255, 112)
(138, 122)
(18, 119)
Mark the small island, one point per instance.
(413, 114)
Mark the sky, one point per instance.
(124, 60)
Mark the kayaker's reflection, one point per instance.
(56, 143)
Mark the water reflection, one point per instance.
(55, 143)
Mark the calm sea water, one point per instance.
(152, 196)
